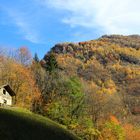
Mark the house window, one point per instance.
(4, 91)
(5, 101)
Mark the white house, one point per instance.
(6, 95)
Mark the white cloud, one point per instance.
(22, 21)
(111, 16)
(26, 29)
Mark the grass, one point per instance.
(20, 124)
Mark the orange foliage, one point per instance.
(131, 133)
(114, 120)
(21, 79)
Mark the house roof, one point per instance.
(8, 89)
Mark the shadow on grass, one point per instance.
(16, 125)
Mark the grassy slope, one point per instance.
(18, 124)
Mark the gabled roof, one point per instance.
(8, 89)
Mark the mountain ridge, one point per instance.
(114, 57)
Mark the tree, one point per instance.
(23, 56)
(76, 96)
(36, 59)
(100, 103)
(51, 62)
(66, 103)
(21, 79)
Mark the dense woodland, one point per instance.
(92, 88)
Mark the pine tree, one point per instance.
(36, 59)
(51, 63)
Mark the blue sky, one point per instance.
(39, 24)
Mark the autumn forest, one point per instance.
(91, 88)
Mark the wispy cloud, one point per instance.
(43, 21)
(22, 20)
(111, 16)
(25, 28)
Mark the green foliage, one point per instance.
(75, 87)
(91, 133)
(51, 63)
(75, 95)
(116, 130)
(58, 112)
(68, 104)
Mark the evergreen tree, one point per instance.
(51, 63)
(36, 59)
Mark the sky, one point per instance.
(40, 24)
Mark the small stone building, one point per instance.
(6, 95)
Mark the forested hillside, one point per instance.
(91, 87)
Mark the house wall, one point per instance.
(6, 97)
